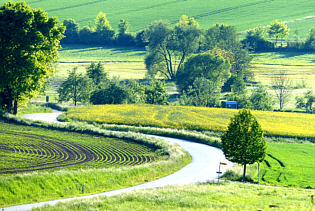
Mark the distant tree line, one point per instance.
(102, 33)
(277, 31)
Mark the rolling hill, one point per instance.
(243, 14)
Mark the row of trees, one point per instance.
(256, 38)
(95, 87)
(101, 33)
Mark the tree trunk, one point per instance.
(15, 107)
(244, 173)
(258, 172)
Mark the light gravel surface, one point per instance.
(203, 168)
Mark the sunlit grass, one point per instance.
(225, 196)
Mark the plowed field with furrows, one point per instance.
(26, 151)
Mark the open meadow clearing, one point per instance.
(39, 164)
(224, 196)
(194, 118)
(243, 14)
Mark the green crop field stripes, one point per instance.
(21, 151)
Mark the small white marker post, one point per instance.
(219, 172)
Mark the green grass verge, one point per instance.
(47, 185)
(224, 196)
(243, 14)
(194, 118)
(34, 108)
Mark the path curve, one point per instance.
(203, 168)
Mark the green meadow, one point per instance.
(286, 164)
(223, 196)
(243, 14)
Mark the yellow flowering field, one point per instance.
(195, 118)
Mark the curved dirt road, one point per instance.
(203, 168)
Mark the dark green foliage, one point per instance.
(113, 94)
(76, 87)
(87, 36)
(72, 32)
(260, 99)
(97, 74)
(255, 40)
(203, 92)
(309, 43)
(104, 31)
(156, 93)
(169, 46)
(135, 92)
(29, 43)
(212, 67)
(306, 101)
(226, 38)
(244, 141)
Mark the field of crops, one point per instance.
(38, 164)
(23, 150)
(243, 14)
(224, 196)
(195, 118)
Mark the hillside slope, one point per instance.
(243, 14)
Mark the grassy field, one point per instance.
(286, 164)
(224, 196)
(243, 14)
(289, 164)
(194, 118)
(87, 53)
(298, 66)
(38, 164)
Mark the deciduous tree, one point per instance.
(97, 74)
(282, 86)
(168, 46)
(278, 30)
(104, 30)
(76, 87)
(244, 141)
(29, 43)
(212, 67)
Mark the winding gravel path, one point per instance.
(203, 168)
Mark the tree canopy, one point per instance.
(169, 46)
(212, 67)
(278, 30)
(76, 87)
(29, 41)
(244, 141)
